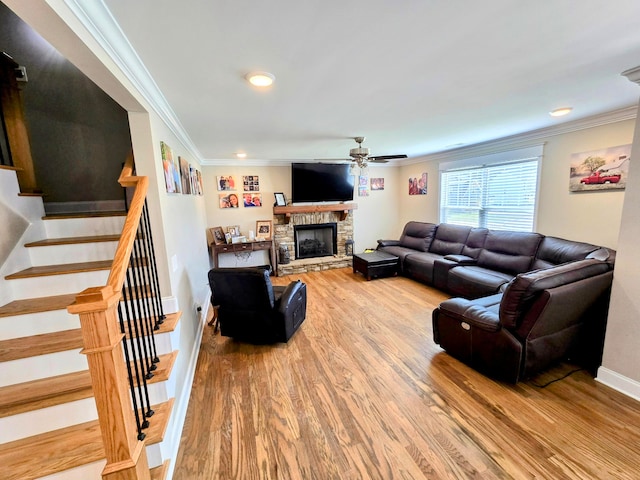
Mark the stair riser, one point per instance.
(41, 366)
(78, 227)
(37, 323)
(80, 252)
(59, 416)
(94, 470)
(52, 418)
(165, 343)
(60, 284)
(56, 284)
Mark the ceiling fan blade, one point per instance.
(333, 160)
(385, 157)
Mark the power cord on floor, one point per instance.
(545, 385)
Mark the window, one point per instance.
(497, 192)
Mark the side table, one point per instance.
(244, 247)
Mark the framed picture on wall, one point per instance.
(226, 182)
(418, 185)
(252, 199)
(377, 184)
(263, 229)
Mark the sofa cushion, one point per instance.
(398, 251)
(449, 239)
(524, 287)
(473, 281)
(420, 266)
(509, 252)
(555, 251)
(475, 242)
(418, 235)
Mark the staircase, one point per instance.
(48, 416)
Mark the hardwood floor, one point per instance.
(362, 392)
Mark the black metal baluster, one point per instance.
(127, 357)
(144, 273)
(136, 340)
(156, 283)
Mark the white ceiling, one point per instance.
(413, 76)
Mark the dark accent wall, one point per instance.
(79, 135)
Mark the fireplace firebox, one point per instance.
(317, 240)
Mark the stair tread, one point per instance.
(68, 447)
(62, 216)
(50, 391)
(44, 304)
(66, 268)
(37, 305)
(47, 242)
(160, 472)
(45, 343)
(61, 269)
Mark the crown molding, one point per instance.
(528, 139)
(99, 22)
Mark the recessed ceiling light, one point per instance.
(559, 112)
(260, 79)
(241, 155)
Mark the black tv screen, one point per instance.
(321, 182)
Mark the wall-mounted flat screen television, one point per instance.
(321, 182)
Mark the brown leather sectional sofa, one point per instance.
(525, 300)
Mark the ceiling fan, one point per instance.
(360, 155)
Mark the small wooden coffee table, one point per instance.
(375, 264)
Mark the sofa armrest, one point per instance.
(461, 259)
(481, 313)
(288, 296)
(388, 243)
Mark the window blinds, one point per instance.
(498, 196)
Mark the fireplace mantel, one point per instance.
(342, 208)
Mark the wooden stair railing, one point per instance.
(103, 331)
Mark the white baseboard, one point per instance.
(618, 382)
(80, 207)
(174, 434)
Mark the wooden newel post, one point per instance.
(126, 455)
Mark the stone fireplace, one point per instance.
(284, 234)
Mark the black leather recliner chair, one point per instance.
(250, 309)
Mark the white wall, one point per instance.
(20, 220)
(422, 208)
(621, 359)
(377, 216)
(592, 217)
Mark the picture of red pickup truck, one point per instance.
(599, 177)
